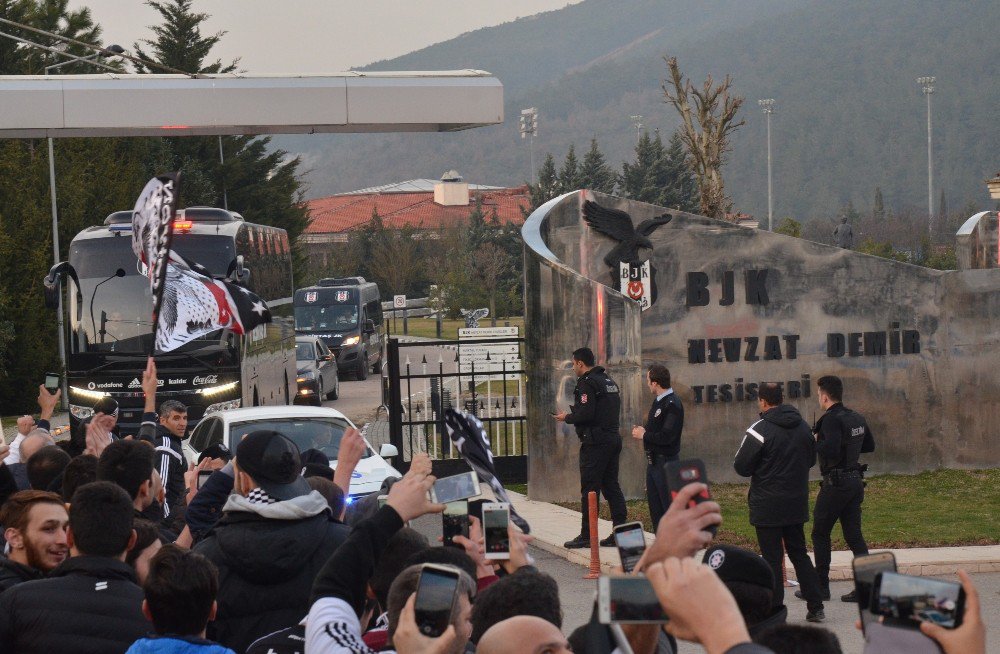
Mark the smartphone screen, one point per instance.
(495, 518)
(865, 570)
(435, 598)
(456, 487)
(628, 600)
(203, 475)
(681, 473)
(455, 522)
(631, 544)
(51, 382)
(907, 601)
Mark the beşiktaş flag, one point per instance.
(195, 304)
(467, 433)
(152, 231)
(635, 281)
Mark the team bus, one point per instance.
(346, 313)
(109, 306)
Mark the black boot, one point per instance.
(577, 543)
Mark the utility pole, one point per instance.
(529, 128)
(637, 123)
(768, 107)
(928, 84)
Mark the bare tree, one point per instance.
(492, 264)
(709, 118)
(396, 258)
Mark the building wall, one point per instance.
(932, 404)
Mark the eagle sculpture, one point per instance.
(618, 225)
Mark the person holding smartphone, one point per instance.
(661, 438)
(597, 403)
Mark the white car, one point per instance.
(310, 427)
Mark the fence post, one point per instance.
(395, 404)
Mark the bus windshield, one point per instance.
(337, 317)
(116, 311)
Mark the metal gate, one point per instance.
(426, 378)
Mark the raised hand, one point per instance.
(409, 496)
(98, 434)
(47, 402)
(149, 385)
(970, 636)
(408, 639)
(352, 448)
(681, 531)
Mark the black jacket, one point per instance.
(776, 453)
(13, 573)
(267, 566)
(171, 465)
(664, 425)
(842, 435)
(87, 604)
(596, 405)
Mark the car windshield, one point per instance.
(304, 352)
(337, 316)
(322, 434)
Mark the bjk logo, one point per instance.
(341, 296)
(311, 296)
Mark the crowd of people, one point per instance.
(111, 546)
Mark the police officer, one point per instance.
(841, 436)
(597, 402)
(661, 438)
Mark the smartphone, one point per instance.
(454, 488)
(631, 544)
(496, 517)
(455, 522)
(52, 382)
(681, 473)
(628, 600)
(907, 601)
(382, 499)
(865, 569)
(202, 476)
(436, 592)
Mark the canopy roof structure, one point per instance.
(176, 105)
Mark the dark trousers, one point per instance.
(835, 503)
(794, 537)
(599, 473)
(657, 492)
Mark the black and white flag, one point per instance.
(152, 231)
(467, 433)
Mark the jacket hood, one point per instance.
(785, 416)
(176, 645)
(268, 543)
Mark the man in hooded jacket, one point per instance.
(776, 453)
(274, 536)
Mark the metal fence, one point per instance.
(421, 387)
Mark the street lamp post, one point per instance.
(111, 50)
(767, 106)
(529, 128)
(637, 123)
(928, 86)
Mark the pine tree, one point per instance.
(634, 176)
(681, 190)
(878, 208)
(548, 185)
(596, 174)
(569, 175)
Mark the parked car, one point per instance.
(310, 427)
(318, 376)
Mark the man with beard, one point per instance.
(35, 528)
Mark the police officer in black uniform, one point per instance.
(842, 435)
(597, 403)
(661, 438)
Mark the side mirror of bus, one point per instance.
(241, 274)
(52, 286)
(51, 292)
(369, 326)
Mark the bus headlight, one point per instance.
(215, 390)
(351, 340)
(223, 406)
(88, 394)
(81, 412)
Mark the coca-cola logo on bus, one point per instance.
(207, 379)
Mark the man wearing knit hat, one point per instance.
(749, 578)
(272, 540)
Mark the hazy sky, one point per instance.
(315, 36)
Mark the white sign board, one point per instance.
(485, 358)
(398, 301)
(487, 332)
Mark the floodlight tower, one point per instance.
(928, 85)
(637, 123)
(767, 106)
(529, 128)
